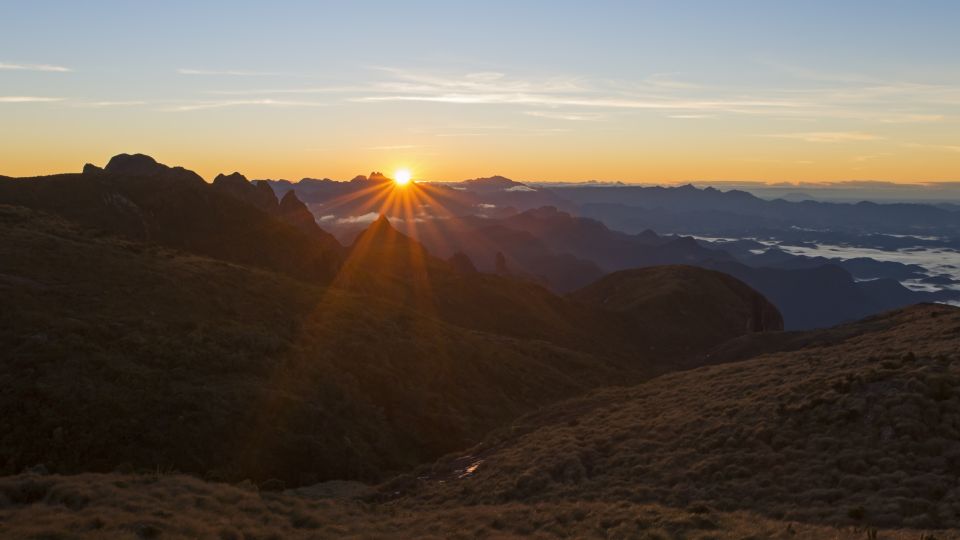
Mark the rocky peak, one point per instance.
(134, 164)
(293, 211)
(235, 179)
(378, 176)
(142, 165)
(90, 168)
(491, 183)
(291, 202)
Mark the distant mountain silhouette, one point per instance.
(711, 212)
(492, 183)
(571, 252)
(566, 251)
(822, 296)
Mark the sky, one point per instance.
(639, 91)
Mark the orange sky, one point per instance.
(653, 92)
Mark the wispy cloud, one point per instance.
(805, 95)
(912, 118)
(555, 115)
(34, 67)
(666, 80)
(100, 104)
(494, 88)
(226, 72)
(800, 72)
(395, 147)
(828, 136)
(202, 105)
(938, 147)
(365, 218)
(864, 159)
(589, 101)
(28, 99)
(773, 161)
(297, 90)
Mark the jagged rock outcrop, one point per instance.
(292, 210)
(140, 199)
(259, 194)
(255, 193)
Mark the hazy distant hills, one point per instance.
(495, 222)
(672, 210)
(568, 252)
(710, 211)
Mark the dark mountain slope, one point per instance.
(667, 298)
(119, 352)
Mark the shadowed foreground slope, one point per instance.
(827, 441)
(97, 506)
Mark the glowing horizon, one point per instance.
(643, 92)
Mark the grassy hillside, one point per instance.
(97, 506)
(859, 430)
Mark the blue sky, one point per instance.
(636, 91)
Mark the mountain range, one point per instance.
(193, 359)
(573, 241)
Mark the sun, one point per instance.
(401, 177)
